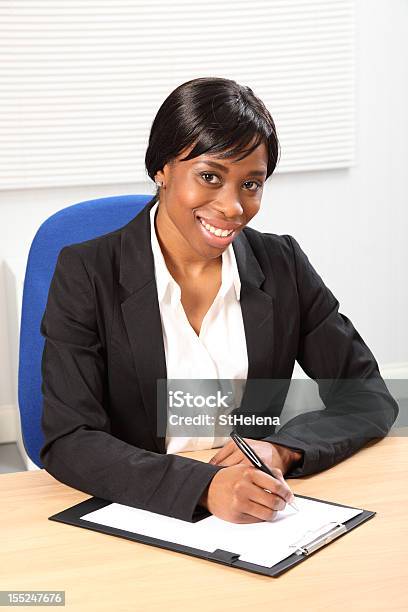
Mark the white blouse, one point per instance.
(219, 352)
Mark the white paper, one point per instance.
(264, 543)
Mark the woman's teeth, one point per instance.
(214, 230)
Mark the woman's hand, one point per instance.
(237, 494)
(273, 455)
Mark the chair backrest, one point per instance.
(73, 224)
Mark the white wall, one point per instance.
(351, 223)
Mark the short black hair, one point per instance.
(219, 115)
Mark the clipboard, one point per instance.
(301, 551)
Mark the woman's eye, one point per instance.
(203, 174)
(257, 185)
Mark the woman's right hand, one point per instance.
(237, 494)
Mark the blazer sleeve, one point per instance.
(358, 405)
(79, 449)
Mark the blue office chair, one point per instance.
(73, 224)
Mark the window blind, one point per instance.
(81, 81)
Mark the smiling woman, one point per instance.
(187, 291)
(211, 169)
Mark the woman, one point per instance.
(188, 290)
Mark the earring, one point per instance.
(159, 183)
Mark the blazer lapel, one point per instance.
(141, 313)
(260, 397)
(257, 310)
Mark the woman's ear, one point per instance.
(159, 178)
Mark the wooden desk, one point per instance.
(365, 570)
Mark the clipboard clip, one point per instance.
(320, 540)
(223, 556)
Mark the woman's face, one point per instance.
(222, 193)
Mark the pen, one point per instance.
(255, 460)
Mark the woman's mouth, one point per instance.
(215, 236)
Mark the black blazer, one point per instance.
(104, 352)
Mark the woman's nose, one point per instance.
(230, 204)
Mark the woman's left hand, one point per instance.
(273, 455)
